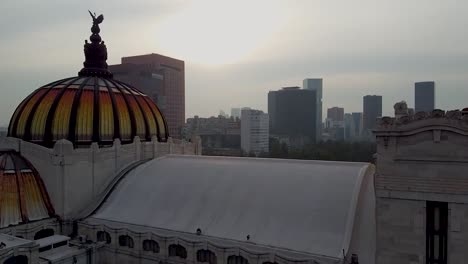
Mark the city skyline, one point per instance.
(398, 43)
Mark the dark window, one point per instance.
(42, 249)
(125, 241)
(237, 260)
(21, 259)
(44, 233)
(103, 236)
(150, 245)
(177, 251)
(206, 256)
(436, 232)
(59, 244)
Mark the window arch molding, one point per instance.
(236, 259)
(126, 241)
(46, 232)
(206, 256)
(151, 245)
(176, 250)
(104, 236)
(20, 259)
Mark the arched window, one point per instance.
(21, 259)
(237, 260)
(204, 255)
(150, 245)
(177, 251)
(44, 233)
(103, 236)
(125, 241)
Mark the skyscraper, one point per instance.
(335, 123)
(335, 113)
(372, 110)
(349, 129)
(316, 85)
(424, 96)
(163, 79)
(292, 113)
(357, 120)
(254, 131)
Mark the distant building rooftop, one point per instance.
(291, 88)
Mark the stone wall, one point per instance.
(421, 157)
(28, 230)
(113, 252)
(74, 178)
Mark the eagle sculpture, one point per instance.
(97, 20)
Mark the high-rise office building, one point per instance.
(316, 85)
(335, 114)
(163, 79)
(357, 120)
(372, 110)
(335, 126)
(293, 116)
(349, 130)
(424, 96)
(254, 131)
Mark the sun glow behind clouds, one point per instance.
(216, 32)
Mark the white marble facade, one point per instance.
(420, 158)
(77, 178)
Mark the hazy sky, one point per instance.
(236, 51)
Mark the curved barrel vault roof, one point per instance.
(306, 206)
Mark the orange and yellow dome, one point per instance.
(87, 109)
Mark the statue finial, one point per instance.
(95, 52)
(97, 20)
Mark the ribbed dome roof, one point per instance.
(23, 197)
(90, 108)
(85, 110)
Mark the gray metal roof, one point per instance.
(306, 206)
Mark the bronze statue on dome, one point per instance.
(95, 52)
(97, 20)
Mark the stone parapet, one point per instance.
(454, 118)
(74, 177)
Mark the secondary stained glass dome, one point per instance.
(92, 107)
(23, 195)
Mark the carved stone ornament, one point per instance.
(437, 113)
(403, 120)
(453, 114)
(401, 108)
(420, 116)
(386, 121)
(465, 118)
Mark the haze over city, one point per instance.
(233, 132)
(237, 51)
